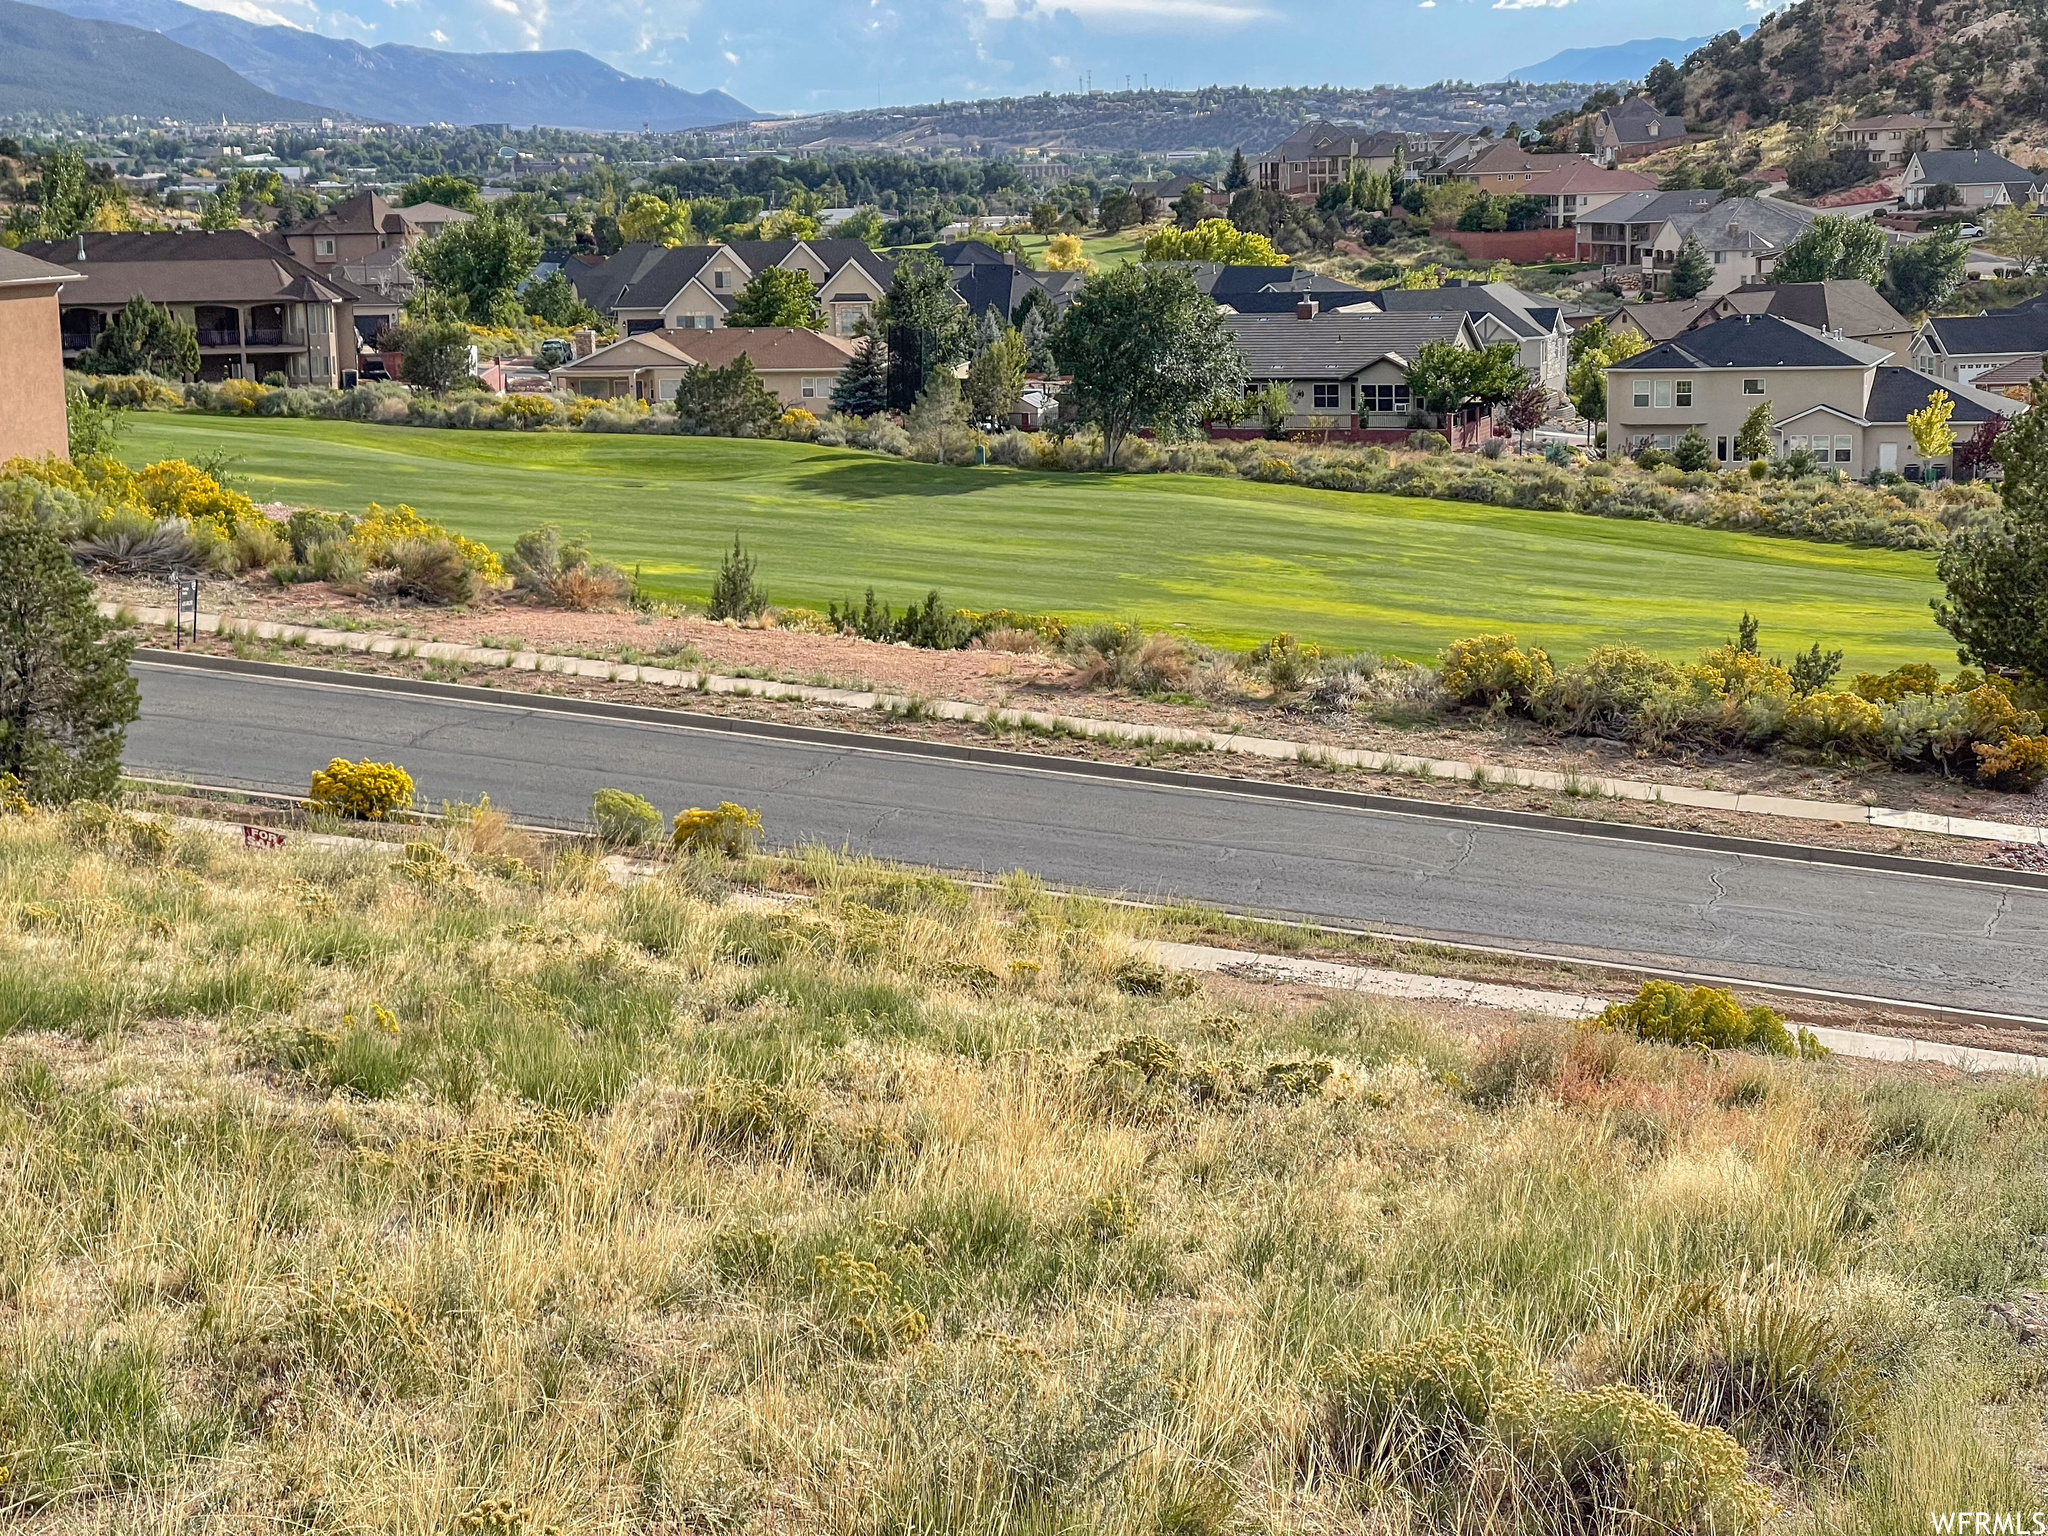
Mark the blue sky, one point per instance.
(809, 55)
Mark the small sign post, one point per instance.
(262, 837)
(188, 605)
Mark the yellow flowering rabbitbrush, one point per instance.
(381, 528)
(730, 829)
(365, 790)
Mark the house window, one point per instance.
(1752, 386)
(1795, 443)
(1640, 395)
(1721, 449)
(1327, 396)
(1388, 398)
(641, 327)
(815, 389)
(1663, 402)
(1682, 392)
(1844, 448)
(324, 247)
(718, 279)
(1720, 258)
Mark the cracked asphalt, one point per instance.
(1866, 932)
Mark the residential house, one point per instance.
(1346, 372)
(1888, 142)
(2015, 381)
(1653, 323)
(1843, 400)
(1619, 233)
(1498, 312)
(1575, 190)
(257, 310)
(1634, 129)
(1838, 307)
(1981, 179)
(1743, 237)
(798, 366)
(649, 287)
(1270, 290)
(1320, 154)
(32, 416)
(1965, 347)
(363, 225)
(1504, 170)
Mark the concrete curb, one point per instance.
(1270, 748)
(1261, 789)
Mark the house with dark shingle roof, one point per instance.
(360, 226)
(798, 367)
(1982, 178)
(649, 287)
(1634, 129)
(1499, 312)
(1963, 347)
(1320, 154)
(1346, 371)
(257, 309)
(32, 414)
(1843, 401)
(1839, 306)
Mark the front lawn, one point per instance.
(1227, 561)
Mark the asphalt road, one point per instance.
(1939, 941)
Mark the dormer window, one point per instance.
(718, 279)
(324, 246)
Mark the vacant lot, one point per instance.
(1232, 562)
(471, 1194)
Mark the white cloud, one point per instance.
(438, 35)
(1224, 13)
(1530, 5)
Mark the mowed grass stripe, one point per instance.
(1225, 561)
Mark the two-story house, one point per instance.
(1346, 371)
(33, 423)
(1499, 312)
(257, 310)
(1888, 142)
(1839, 307)
(1634, 129)
(1620, 232)
(1843, 401)
(1504, 170)
(1963, 347)
(1319, 154)
(1981, 179)
(363, 225)
(1579, 188)
(649, 287)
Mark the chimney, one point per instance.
(584, 343)
(1305, 309)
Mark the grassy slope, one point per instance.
(650, 1213)
(1234, 562)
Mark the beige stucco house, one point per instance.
(648, 287)
(1888, 142)
(32, 419)
(1345, 371)
(799, 367)
(1842, 400)
(362, 225)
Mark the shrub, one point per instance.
(1708, 1017)
(624, 820)
(431, 571)
(2017, 763)
(1607, 693)
(1286, 663)
(364, 790)
(1834, 722)
(1463, 1413)
(380, 529)
(259, 543)
(174, 489)
(560, 571)
(730, 830)
(1899, 683)
(1489, 669)
(735, 594)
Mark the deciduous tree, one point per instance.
(1213, 240)
(648, 216)
(778, 296)
(448, 191)
(995, 379)
(924, 325)
(1923, 275)
(477, 267)
(1753, 437)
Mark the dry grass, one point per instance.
(471, 1192)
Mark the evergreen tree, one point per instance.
(862, 388)
(1036, 334)
(735, 594)
(924, 325)
(1240, 175)
(726, 402)
(144, 338)
(65, 694)
(995, 379)
(1691, 274)
(991, 330)
(1692, 452)
(1996, 572)
(1190, 208)
(938, 421)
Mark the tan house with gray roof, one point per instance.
(32, 415)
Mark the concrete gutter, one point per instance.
(1269, 748)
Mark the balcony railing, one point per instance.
(266, 336)
(77, 341)
(227, 338)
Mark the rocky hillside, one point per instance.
(1975, 61)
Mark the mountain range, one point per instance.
(392, 82)
(53, 63)
(1616, 61)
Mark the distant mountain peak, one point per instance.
(1614, 62)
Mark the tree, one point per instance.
(1595, 349)
(1239, 175)
(864, 225)
(1969, 460)
(1036, 334)
(924, 325)
(1213, 240)
(995, 379)
(1441, 377)
(778, 296)
(1753, 437)
(735, 594)
(938, 421)
(1666, 87)
(1923, 275)
(1933, 437)
(1692, 452)
(477, 268)
(649, 217)
(1833, 248)
(93, 428)
(65, 694)
(725, 402)
(1943, 194)
(862, 388)
(448, 191)
(144, 338)
(1118, 210)
(1497, 375)
(1995, 573)
(434, 354)
(554, 300)
(1691, 273)
(1063, 254)
(2020, 234)
(1527, 409)
(70, 197)
(1146, 347)
(1190, 207)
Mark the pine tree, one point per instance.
(735, 594)
(938, 421)
(65, 694)
(991, 330)
(1691, 274)
(1037, 336)
(862, 388)
(144, 338)
(1996, 571)
(1240, 175)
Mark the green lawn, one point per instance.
(1230, 562)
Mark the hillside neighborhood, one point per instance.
(1171, 811)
